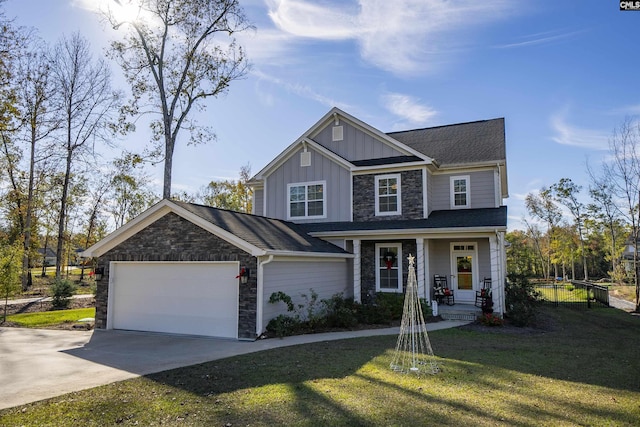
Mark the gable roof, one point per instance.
(410, 153)
(254, 234)
(464, 219)
(463, 143)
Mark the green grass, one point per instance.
(50, 318)
(582, 371)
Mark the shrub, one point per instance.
(521, 299)
(490, 319)
(340, 312)
(390, 303)
(61, 292)
(284, 325)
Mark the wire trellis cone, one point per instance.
(413, 353)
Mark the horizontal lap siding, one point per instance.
(295, 278)
(482, 194)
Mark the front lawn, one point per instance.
(583, 368)
(45, 319)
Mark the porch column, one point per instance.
(497, 279)
(420, 264)
(357, 293)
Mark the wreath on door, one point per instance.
(389, 259)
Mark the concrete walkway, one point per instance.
(621, 304)
(37, 364)
(41, 299)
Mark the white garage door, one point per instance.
(194, 298)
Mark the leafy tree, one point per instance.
(567, 192)
(521, 256)
(173, 60)
(543, 207)
(230, 194)
(129, 194)
(10, 265)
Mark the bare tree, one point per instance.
(85, 103)
(623, 171)
(173, 61)
(38, 120)
(605, 211)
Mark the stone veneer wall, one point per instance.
(173, 238)
(364, 208)
(368, 266)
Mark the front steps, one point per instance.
(459, 312)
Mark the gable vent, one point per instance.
(338, 133)
(305, 159)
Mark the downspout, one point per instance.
(260, 293)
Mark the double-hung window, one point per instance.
(460, 197)
(388, 200)
(388, 267)
(306, 200)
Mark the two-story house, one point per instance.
(338, 211)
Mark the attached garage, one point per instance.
(195, 298)
(189, 269)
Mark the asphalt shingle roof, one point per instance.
(487, 217)
(264, 233)
(461, 143)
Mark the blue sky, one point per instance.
(563, 74)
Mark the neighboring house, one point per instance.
(46, 255)
(339, 210)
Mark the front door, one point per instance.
(464, 268)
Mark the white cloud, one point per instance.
(567, 134)
(409, 109)
(401, 36)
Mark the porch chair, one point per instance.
(441, 290)
(483, 294)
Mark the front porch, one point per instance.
(459, 311)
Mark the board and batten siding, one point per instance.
(337, 190)
(295, 278)
(356, 144)
(482, 191)
(258, 202)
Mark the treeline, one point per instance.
(59, 115)
(590, 232)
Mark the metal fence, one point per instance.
(574, 294)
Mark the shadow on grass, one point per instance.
(583, 370)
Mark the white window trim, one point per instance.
(398, 211)
(452, 193)
(399, 268)
(306, 201)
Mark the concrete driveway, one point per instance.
(37, 364)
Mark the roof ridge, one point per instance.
(444, 126)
